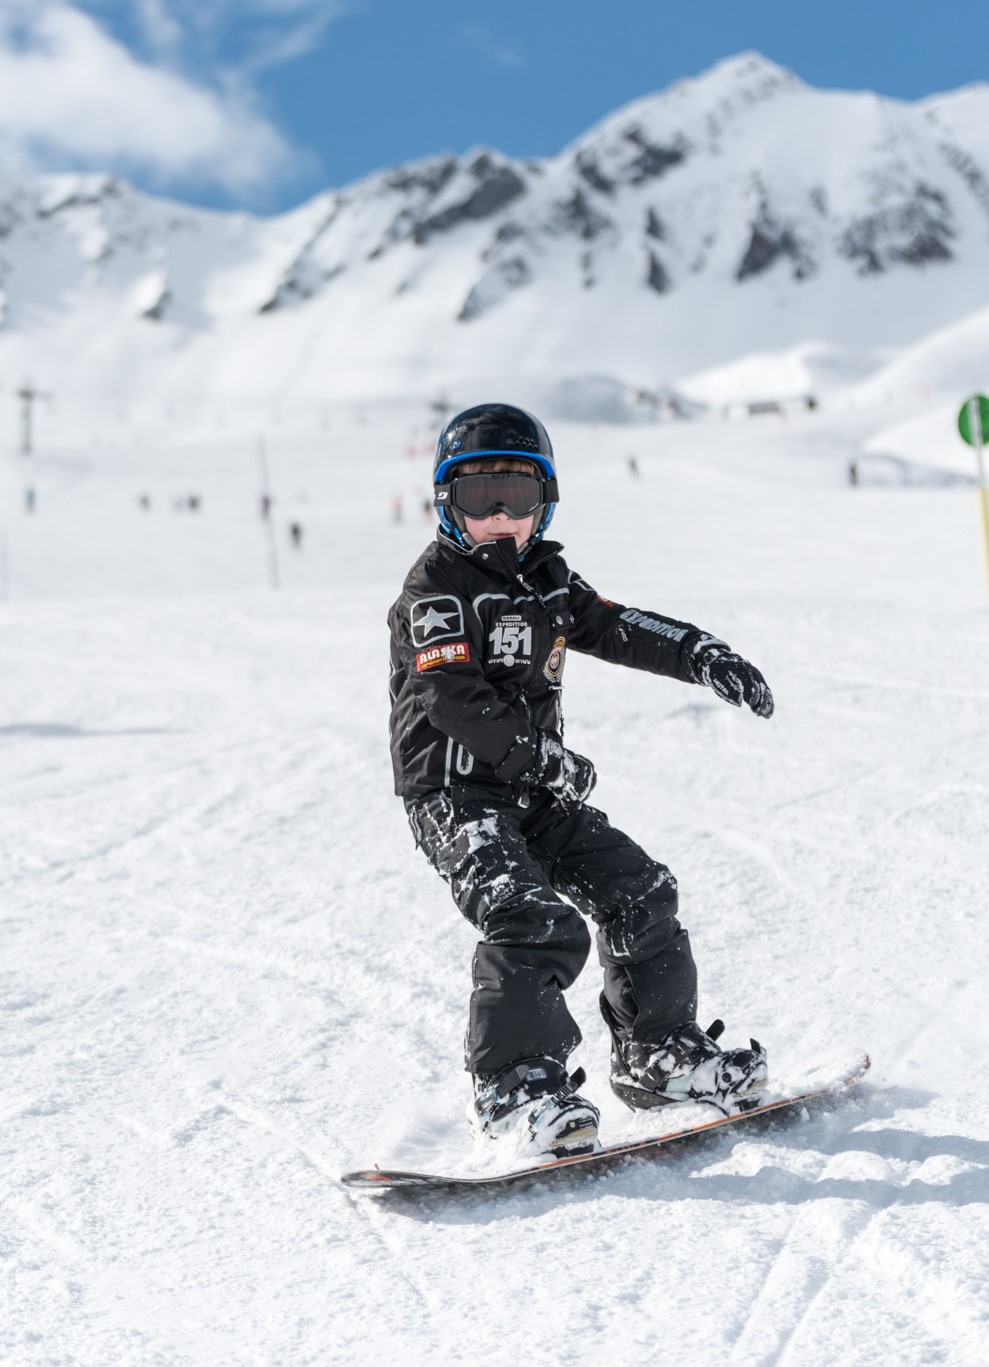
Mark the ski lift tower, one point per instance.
(28, 396)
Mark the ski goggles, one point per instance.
(484, 495)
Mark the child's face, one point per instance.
(499, 525)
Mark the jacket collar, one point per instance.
(500, 557)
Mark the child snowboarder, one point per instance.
(498, 803)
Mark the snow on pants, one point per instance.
(507, 867)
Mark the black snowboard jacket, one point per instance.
(478, 644)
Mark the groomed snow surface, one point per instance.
(227, 976)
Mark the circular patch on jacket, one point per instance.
(553, 668)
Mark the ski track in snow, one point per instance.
(228, 977)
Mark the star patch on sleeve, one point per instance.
(436, 619)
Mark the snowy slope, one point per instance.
(925, 388)
(738, 212)
(228, 977)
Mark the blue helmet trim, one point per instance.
(448, 525)
(443, 470)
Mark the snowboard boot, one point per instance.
(535, 1107)
(686, 1066)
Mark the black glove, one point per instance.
(731, 676)
(571, 777)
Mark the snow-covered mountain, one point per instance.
(738, 211)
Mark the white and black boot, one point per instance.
(535, 1108)
(686, 1066)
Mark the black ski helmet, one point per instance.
(493, 429)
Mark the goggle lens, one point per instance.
(483, 495)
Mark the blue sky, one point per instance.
(261, 103)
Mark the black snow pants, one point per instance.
(510, 869)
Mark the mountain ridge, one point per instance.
(742, 198)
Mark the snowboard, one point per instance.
(389, 1179)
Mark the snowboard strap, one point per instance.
(500, 1093)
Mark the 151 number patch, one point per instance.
(510, 640)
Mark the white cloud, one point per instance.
(71, 93)
(160, 27)
(283, 46)
(489, 48)
(206, 28)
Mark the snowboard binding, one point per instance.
(686, 1066)
(535, 1104)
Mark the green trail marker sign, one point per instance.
(973, 421)
(973, 424)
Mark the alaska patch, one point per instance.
(456, 654)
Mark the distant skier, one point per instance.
(498, 804)
(295, 532)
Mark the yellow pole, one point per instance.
(975, 423)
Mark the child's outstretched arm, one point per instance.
(663, 645)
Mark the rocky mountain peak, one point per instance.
(742, 185)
